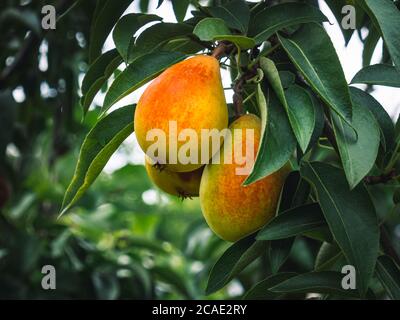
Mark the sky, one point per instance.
(350, 58)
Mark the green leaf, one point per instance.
(378, 74)
(272, 154)
(336, 7)
(386, 17)
(314, 282)
(313, 54)
(357, 153)
(97, 148)
(386, 125)
(184, 45)
(99, 71)
(233, 261)
(350, 215)
(209, 28)
(242, 42)
(293, 222)
(278, 251)
(369, 46)
(287, 78)
(235, 13)
(389, 275)
(281, 16)
(301, 114)
(319, 120)
(180, 7)
(261, 290)
(154, 37)
(328, 257)
(137, 74)
(104, 21)
(297, 103)
(126, 27)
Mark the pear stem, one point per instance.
(220, 50)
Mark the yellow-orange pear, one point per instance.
(188, 95)
(232, 210)
(181, 184)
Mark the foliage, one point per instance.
(339, 206)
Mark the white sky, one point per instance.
(350, 58)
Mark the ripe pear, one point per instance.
(181, 184)
(232, 210)
(191, 95)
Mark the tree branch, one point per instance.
(383, 178)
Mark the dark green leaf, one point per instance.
(242, 42)
(386, 17)
(312, 51)
(378, 74)
(100, 70)
(97, 148)
(370, 45)
(287, 78)
(261, 290)
(275, 128)
(235, 13)
(293, 222)
(319, 121)
(137, 74)
(281, 16)
(154, 37)
(389, 275)
(233, 261)
(386, 125)
(314, 282)
(350, 215)
(357, 153)
(104, 21)
(125, 29)
(208, 28)
(297, 103)
(180, 7)
(328, 256)
(278, 252)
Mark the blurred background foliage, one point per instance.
(124, 239)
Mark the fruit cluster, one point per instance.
(191, 94)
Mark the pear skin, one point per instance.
(232, 210)
(180, 184)
(190, 94)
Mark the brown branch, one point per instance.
(222, 49)
(238, 97)
(383, 178)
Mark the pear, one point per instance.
(232, 210)
(181, 184)
(188, 95)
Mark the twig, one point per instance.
(383, 178)
(222, 49)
